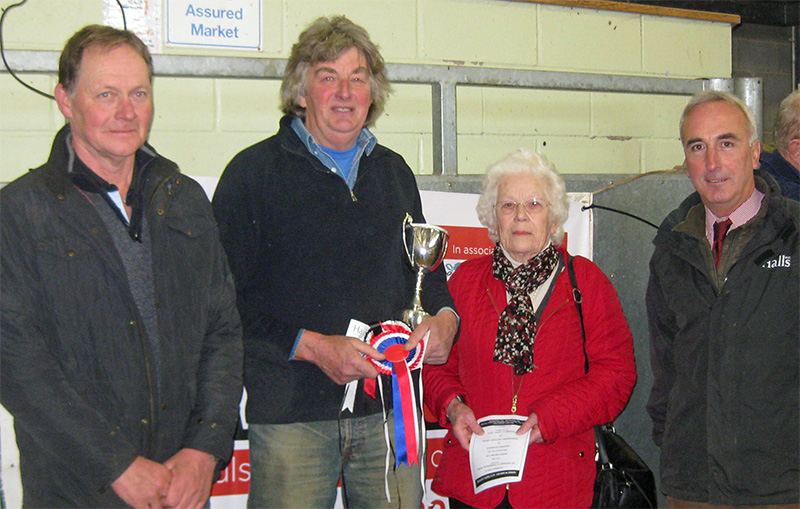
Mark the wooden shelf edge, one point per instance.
(733, 19)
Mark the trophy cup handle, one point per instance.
(407, 221)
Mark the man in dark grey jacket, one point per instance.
(121, 343)
(725, 334)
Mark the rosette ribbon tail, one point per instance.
(390, 339)
(406, 429)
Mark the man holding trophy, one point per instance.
(313, 221)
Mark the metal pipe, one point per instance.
(719, 84)
(193, 66)
(749, 91)
(443, 79)
(795, 57)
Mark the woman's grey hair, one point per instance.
(526, 162)
(711, 96)
(787, 123)
(324, 41)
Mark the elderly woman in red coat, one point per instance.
(521, 351)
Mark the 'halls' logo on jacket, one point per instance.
(780, 261)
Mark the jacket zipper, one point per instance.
(148, 370)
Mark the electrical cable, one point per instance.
(3, 48)
(595, 206)
(675, 170)
(3, 53)
(122, 9)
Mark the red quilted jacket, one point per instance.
(568, 402)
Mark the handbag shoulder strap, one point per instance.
(578, 298)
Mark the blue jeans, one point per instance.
(299, 465)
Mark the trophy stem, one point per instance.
(416, 314)
(417, 302)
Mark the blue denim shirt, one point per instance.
(366, 142)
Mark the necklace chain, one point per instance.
(516, 393)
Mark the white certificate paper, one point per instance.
(498, 456)
(355, 329)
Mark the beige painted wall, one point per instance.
(202, 123)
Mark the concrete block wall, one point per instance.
(201, 123)
(766, 52)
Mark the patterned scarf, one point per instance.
(517, 326)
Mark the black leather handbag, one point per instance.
(623, 478)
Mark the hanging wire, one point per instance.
(122, 9)
(3, 53)
(677, 170)
(595, 206)
(3, 47)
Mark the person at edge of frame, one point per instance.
(121, 343)
(784, 162)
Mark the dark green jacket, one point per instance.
(725, 356)
(77, 369)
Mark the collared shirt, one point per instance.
(87, 180)
(116, 199)
(738, 217)
(365, 142)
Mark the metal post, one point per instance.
(749, 90)
(445, 150)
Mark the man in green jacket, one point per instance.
(723, 309)
(121, 344)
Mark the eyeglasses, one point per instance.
(532, 206)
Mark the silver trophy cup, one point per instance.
(425, 245)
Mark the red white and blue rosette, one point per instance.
(399, 363)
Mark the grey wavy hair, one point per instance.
(527, 162)
(787, 123)
(710, 96)
(324, 41)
